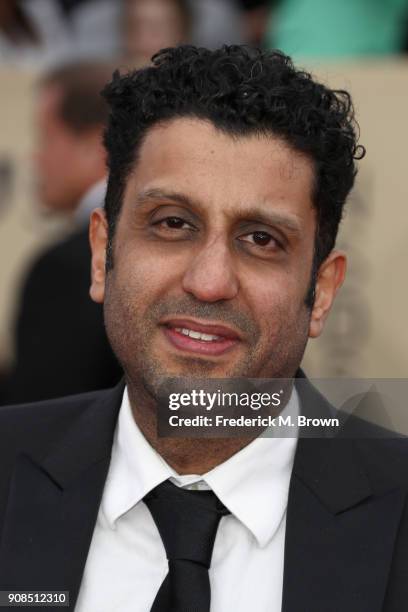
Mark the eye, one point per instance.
(173, 228)
(173, 223)
(262, 239)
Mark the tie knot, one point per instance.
(187, 521)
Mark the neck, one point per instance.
(184, 455)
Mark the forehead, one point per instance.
(222, 171)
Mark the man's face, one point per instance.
(64, 160)
(215, 237)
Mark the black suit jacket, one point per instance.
(61, 344)
(346, 544)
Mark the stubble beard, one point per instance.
(146, 374)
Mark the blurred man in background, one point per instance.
(150, 25)
(61, 347)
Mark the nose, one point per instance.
(210, 275)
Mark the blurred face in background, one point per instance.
(67, 162)
(151, 25)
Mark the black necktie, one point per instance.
(187, 522)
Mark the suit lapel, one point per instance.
(340, 530)
(53, 504)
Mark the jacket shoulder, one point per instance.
(33, 426)
(69, 256)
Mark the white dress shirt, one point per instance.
(127, 563)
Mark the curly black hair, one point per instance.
(242, 91)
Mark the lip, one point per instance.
(204, 328)
(228, 340)
(199, 347)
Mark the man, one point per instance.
(214, 258)
(150, 25)
(61, 345)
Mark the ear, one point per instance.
(98, 236)
(329, 280)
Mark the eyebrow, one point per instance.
(250, 213)
(145, 197)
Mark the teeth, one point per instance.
(197, 335)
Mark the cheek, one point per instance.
(57, 167)
(47, 162)
(140, 281)
(148, 268)
(274, 292)
(278, 304)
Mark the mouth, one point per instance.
(210, 339)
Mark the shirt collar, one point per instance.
(253, 484)
(135, 468)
